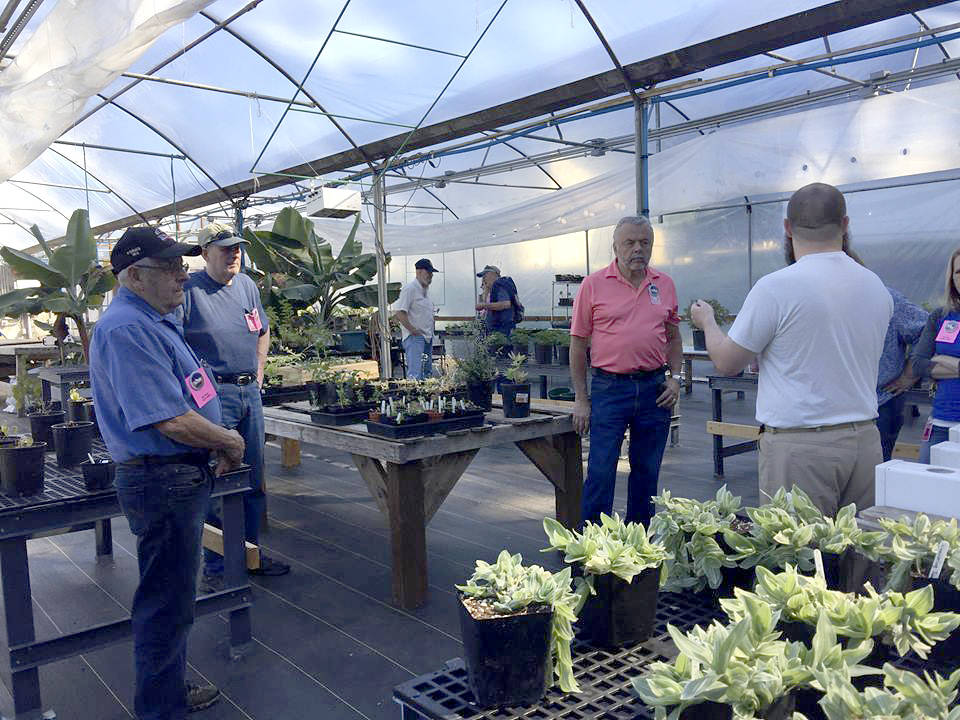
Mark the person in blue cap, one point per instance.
(224, 321)
(160, 418)
(415, 315)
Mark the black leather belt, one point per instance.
(240, 379)
(635, 375)
(199, 458)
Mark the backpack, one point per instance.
(511, 287)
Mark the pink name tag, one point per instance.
(200, 387)
(948, 331)
(253, 321)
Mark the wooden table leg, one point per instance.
(18, 625)
(718, 439)
(289, 453)
(409, 494)
(560, 459)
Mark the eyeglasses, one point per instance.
(171, 268)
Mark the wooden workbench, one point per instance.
(409, 480)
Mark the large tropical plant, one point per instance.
(300, 266)
(71, 280)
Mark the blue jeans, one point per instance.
(889, 422)
(242, 411)
(419, 352)
(938, 434)
(618, 403)
(164, 505)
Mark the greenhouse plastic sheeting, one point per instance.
(79, 49)
(880, 137)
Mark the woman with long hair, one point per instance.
(937, 355)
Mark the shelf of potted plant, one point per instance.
(516, 623)
(352, 401)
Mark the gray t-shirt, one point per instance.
(215, 326)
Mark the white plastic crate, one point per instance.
(955, 433)
(922, 488)
(946, 454)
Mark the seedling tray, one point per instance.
(340, 419)
(281, 395)
(437, 427)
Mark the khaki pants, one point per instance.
(834, 467)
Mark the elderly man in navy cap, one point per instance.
(415, 315)
(224, 321)
(160, 418)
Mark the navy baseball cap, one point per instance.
(138, 243)
(424, 264)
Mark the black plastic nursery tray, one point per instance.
(605, 678)
(339, 419)
(278, 396)
(437, 427)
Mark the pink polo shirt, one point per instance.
(626, 326)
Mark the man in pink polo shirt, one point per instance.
(627, 314)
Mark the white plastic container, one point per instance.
(955, 433)
(946, 454)
(922, 488)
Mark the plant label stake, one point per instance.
(938, 559)
(818, 561)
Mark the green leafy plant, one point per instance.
(496, 341)
(689, 529)
(516, 373)
(721, 313)
(71, 282)
(476, 365)
(904, 621)
(913, 546)
(510, 586)
(551, 337)
(743, 665)
(295, 264)
(905, 696)
(613, 546)
(27, 390)
(521, 337)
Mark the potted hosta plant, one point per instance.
(543, 343)
(72, 441)
(520, 337)
(516, 393)
(516, 623)
(42, 419)
(622, 569)
(21, 467)
(742, 670)
(904, 695)
(498, 344)
(693, 534)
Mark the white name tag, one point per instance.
(522, 398)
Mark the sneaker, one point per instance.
(210, 584)
(270, 567)
(200, 697)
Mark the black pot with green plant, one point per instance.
(72, 441)
(98, 475)
(544, 341)
(722, 315)
(21, 467)
(516, 393)
(42, 419)
(520, 339)
(498, 344)
(477, 371)
(563, 349)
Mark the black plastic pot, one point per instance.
(72, 441)
(508, 658)
(338, 417)
(481, 393)
(516, 400)
(699, 339)
(322, 394)
(98, 476)
(40, 424)
(780, 710)
(80, 411)
(543, 354)
(521, 348)
(563, 354)
(620, 613)
(21, 469)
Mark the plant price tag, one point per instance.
(522, 398)
(818, 561)
(938, 559)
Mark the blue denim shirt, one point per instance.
(139, 365)
(904, 329)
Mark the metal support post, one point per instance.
(749, 208)
(641, 124)
(379, 218)
(235, 571)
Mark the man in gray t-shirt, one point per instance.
(224, 322)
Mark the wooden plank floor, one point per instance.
(328, 643)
